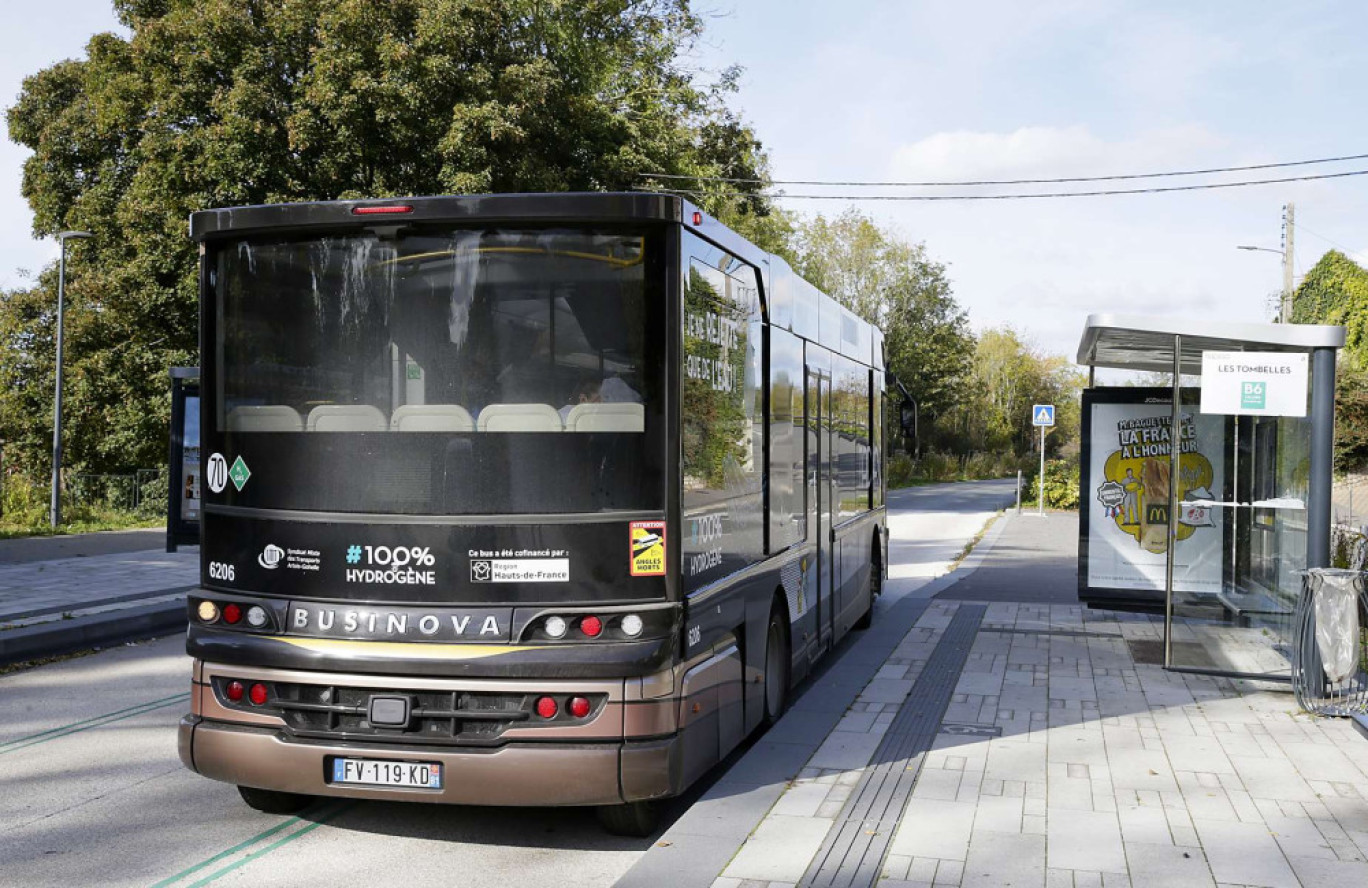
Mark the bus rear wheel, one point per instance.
(268, 801)
(873, 586)
(777, 667)
(635, 819)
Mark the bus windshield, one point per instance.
(495, 363)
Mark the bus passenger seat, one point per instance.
(265, 418)
(347, 418)
(431, 418)
(606, 418)
(520, 418)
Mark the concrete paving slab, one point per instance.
(780, 849)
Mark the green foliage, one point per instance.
(212, 103)
(1335, 291)
(1348, 548)
(1009, 375)
(1061, 485)
(935, 467)
(96, 504)
(22, 502)
(893, 284)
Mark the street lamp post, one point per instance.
(1285, 302)
(55, 510)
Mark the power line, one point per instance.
(859, 184)
(1349, 250)
(1042, 195)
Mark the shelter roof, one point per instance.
(1141, 342)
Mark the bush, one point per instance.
(901, 470)
(153, 497)
(22, 502)
(1061, 485)
(936, 467)
(1348, 548)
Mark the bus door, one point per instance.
(821, 487)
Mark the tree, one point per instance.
(894, 285)
(214, 103)
(1335, 291)
(1009, 376)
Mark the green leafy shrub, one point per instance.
(22, 502)
(1061, 485)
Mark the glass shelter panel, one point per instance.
(1261, 506)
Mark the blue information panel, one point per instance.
(1042, 414)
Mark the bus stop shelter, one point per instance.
(1216, 532)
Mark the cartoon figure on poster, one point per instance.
(1135, 487)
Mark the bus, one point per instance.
(541, 499)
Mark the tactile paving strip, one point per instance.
(852, 853)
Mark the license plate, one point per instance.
(368, 772)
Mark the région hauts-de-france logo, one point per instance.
(1134, 491)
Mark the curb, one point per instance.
(106, 629)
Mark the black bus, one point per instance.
(516, 499)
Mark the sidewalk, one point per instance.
(64, 594)
(999, 734)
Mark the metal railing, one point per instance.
(115, 492)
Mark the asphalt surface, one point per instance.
(93, 791)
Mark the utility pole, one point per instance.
(55, 506)
(1288, 236)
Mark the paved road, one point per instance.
(91, 790)
(930, 525)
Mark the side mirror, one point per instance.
(907, 418)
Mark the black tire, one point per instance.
(873, 586)
(867, 618)
(778, 666)
(635, 819)
(268, 801)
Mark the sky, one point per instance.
(883, 90)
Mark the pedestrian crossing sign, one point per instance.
(1042, 414)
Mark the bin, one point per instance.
(1329, 654)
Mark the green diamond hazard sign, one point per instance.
(239, 473)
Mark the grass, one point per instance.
(969, 546)
(85, 524)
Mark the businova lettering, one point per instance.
(401, 577)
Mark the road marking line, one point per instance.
(326, 814)
(87, 724)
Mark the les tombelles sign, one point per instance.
(1254, 383)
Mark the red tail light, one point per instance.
(258, 694)
(546, 707)
(234, 691)
(382, 211)
(579, 707)
(591, 626)
(231, 613)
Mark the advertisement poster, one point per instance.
(1126, 486)
(190, 464)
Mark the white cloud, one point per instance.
(1046, 151)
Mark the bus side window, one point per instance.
(720, 416)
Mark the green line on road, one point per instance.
(326, 815)
(87, 724)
